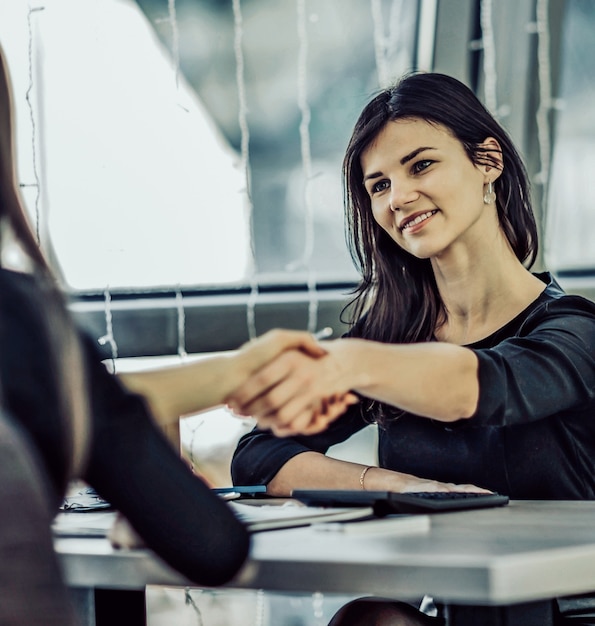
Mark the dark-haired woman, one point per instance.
(476, 370)
(63, 416)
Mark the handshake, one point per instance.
(291, 383)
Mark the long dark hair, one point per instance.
(63, 339)
(397, 299)
(397, 290)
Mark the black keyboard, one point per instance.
(388, 502)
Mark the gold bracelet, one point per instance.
(362, 476)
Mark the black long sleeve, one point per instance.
(136, 469)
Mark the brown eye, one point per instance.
(380, 186)
(420, 166)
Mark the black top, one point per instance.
(532, 436)
(131, 464)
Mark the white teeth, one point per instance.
(418, 220)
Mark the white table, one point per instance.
(523, 553)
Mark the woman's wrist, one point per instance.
(235, 370)
(348, 355)
(374, 478)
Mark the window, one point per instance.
(134, 116)
(569, 243)
(137, 187)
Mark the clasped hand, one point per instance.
(294, 385)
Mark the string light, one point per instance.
(306, 153)
(108, 338)
(304, 107)
(318, 606)
(489, 56)
(381, 43)
(260, 606)
(391, 50)
(172, 19)
(33, 124)
(245, 163)
(181, 324)
(545, 101)
(173, 22)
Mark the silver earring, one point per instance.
(489, 197)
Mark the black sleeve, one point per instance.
(548, 367)
(137, 470)
(260, 455)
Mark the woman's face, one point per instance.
(425, 192)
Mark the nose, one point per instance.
(402, 193)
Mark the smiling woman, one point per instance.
(477, 371)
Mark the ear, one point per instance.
(489, 159)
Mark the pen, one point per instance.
(323, 333)
(230, 495)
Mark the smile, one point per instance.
(418, 219)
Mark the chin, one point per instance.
(421, 253)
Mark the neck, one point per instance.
(482, 292)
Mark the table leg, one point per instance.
(83, 599)
(117, 607)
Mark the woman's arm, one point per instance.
(179, 390)
(435, 380)
(312, 470)
(194, 386)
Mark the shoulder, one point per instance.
(17, 288)
(557, 317)
(555, 302)
(554, 315)
(21, 311)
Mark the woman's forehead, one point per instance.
(402, 137)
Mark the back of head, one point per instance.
(12, 213)
(53, 316)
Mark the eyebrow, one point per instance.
(403, 161)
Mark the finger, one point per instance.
(316, 426)
(320, 420)
(351, 398)
(347, 399)
(338, 404)
(294, 418)
(292, 391)
(275, 342)
(308, 422)
(331, 408)
(282, 405)
(263, 381)
(298, 425)
(470, 489)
